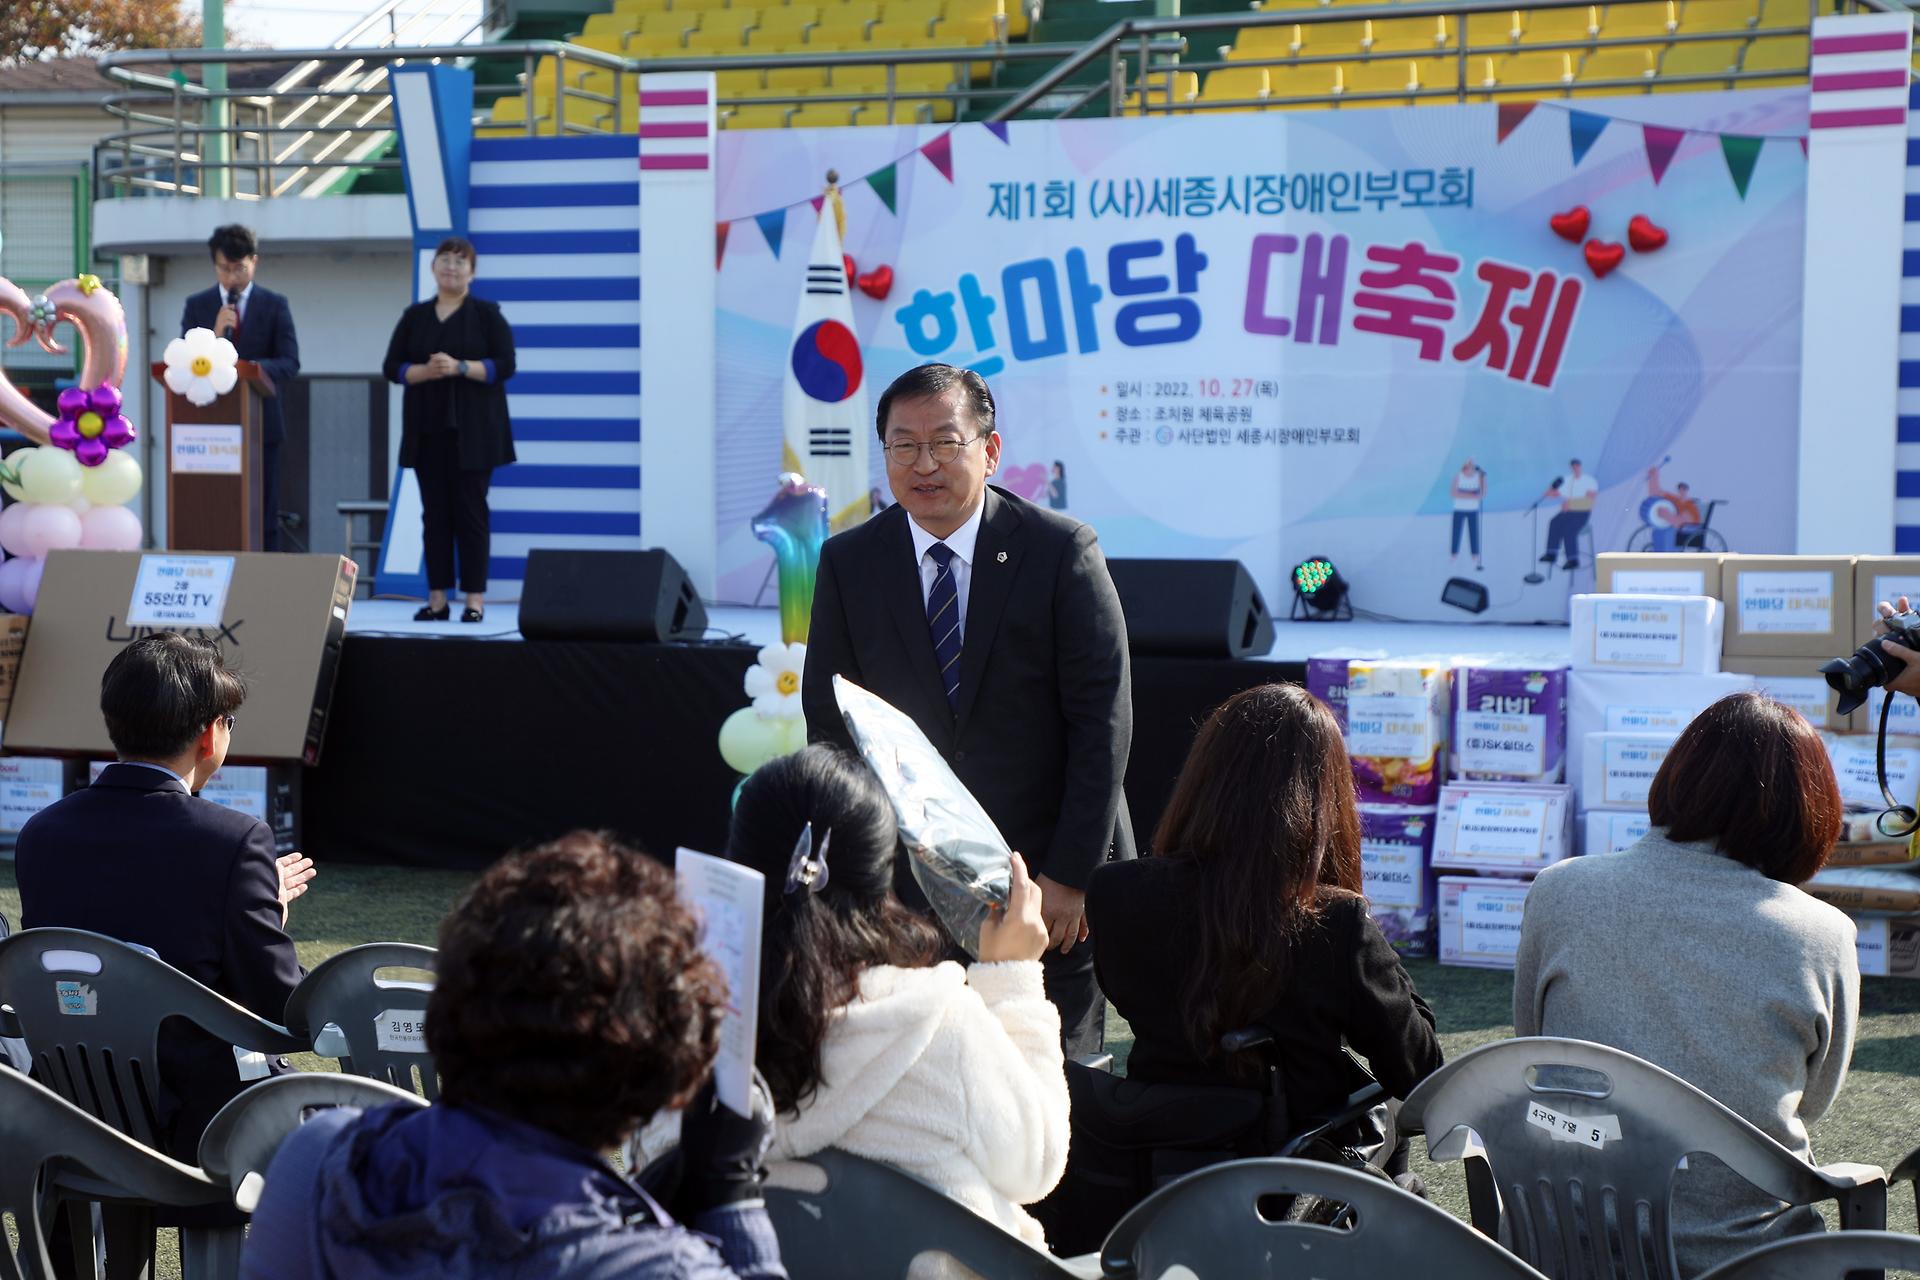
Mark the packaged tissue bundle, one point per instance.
(1510, 721)
(1397, 714)
(1327, 677)
(1396, 847)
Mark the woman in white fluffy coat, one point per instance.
(871, 1046)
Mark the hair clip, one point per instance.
(807, 869)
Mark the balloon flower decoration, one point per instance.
(69, 490)
(794, 525)
(200, 366)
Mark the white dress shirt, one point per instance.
(962, 541)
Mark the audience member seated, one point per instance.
(869, 1043)
(1255, 881)
(1694, 950)
(571, 1002)
(139, 857)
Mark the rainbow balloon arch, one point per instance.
(70, 487)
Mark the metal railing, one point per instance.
(330, 117)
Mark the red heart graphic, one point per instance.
(846, 260)
(1603, 256)
(1571, 225)
(1643, 235)
(877, 283)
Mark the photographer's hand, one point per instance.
(1908, 679)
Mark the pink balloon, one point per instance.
(47, 527)
(13, 585)
(10, 517)
(104, 529)
(97, 314)
(16, 410)
(30, 580)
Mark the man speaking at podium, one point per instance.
(260, 325)
(993, 623)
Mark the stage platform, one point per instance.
(451, 743)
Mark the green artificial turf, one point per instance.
(1875, 1121)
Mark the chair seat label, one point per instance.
(77, 999)
(400, 1031)
(1592, 1131)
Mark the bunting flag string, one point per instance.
(1741, 151)
(940, 153)
(1662, 143)
(882, 181)
(773, 225)
(720, 230)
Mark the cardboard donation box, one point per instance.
(1788, 606)
(1877, 578)
(1798, 683)
(279, 620)
(1658, 573)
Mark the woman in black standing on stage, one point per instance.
(453, 353)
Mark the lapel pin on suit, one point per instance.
(1002, 557)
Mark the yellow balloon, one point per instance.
(747, 741)
(114, 481)
(14, 460)
(792, 734)
(51, 476)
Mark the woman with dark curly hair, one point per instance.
(869, 1043)
(572, 1002)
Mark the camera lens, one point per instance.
(1852, 677)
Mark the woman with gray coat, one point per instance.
(1695, 950)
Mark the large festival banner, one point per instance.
(1381, 336)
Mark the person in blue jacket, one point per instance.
(572, 1001)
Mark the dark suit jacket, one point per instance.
(1344, 982)
(138, 859)
(265, 337)
(1046, 709)
(477, 410)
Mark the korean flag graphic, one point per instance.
(825, 413)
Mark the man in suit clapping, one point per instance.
(260, 325)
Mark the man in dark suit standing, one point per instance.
(992, 622)
(139, 857)
(260, 325)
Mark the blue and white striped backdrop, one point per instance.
(1906, 504)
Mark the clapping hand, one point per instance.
(296, 871)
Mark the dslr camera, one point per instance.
(1869, 667)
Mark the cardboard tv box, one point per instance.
(1788, 606)
(1877, 578)
(1657, 573)
(1798, 683)
(279, 621)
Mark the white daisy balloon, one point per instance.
(201, 366)
(774, 682)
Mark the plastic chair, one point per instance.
(345, 1010)
(840, 1217)
(1908, 1170)
(1210, 1224)
(91, 1008)
(241, 1139)
(43, 1133)
(1817, 1257)
(1625, 1127)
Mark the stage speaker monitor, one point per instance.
(1192, 608)
(1464, 593)
(639, 596)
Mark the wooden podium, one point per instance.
(214, 480)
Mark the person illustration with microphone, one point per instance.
(1469, 490)
(260, 325)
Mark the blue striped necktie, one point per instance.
(943, 621)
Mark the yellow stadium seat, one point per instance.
(908, 10)
(1013, 11)
(1782, 15)
(738, 84)
(787, 23)
(691, 6)
(776, 40)
(1698, 58)
(1782, 53)
(937, 111)
(796, 79)
(1622, 20)
(608, 24)
(1717, 15)
(735, 21)
(898, 33)
(1326, 38)
(1384, 75)
(605, 42)
(508, 110)
(657, 44)
(909, 79)
(664, 24)
(830, 42)
(627, 118)
(820, 115)
(834, 24)
(1617, 64)
(1162, 94)
(626, 10)
(1490, 30)
(758, 116)
(1558, 25)
(1411, 35)
(1539, 69)
(1232, 83)
(850, 13)
(1275, 41)
(704, 41)
(1312, 79)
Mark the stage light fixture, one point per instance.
(1319, 592)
